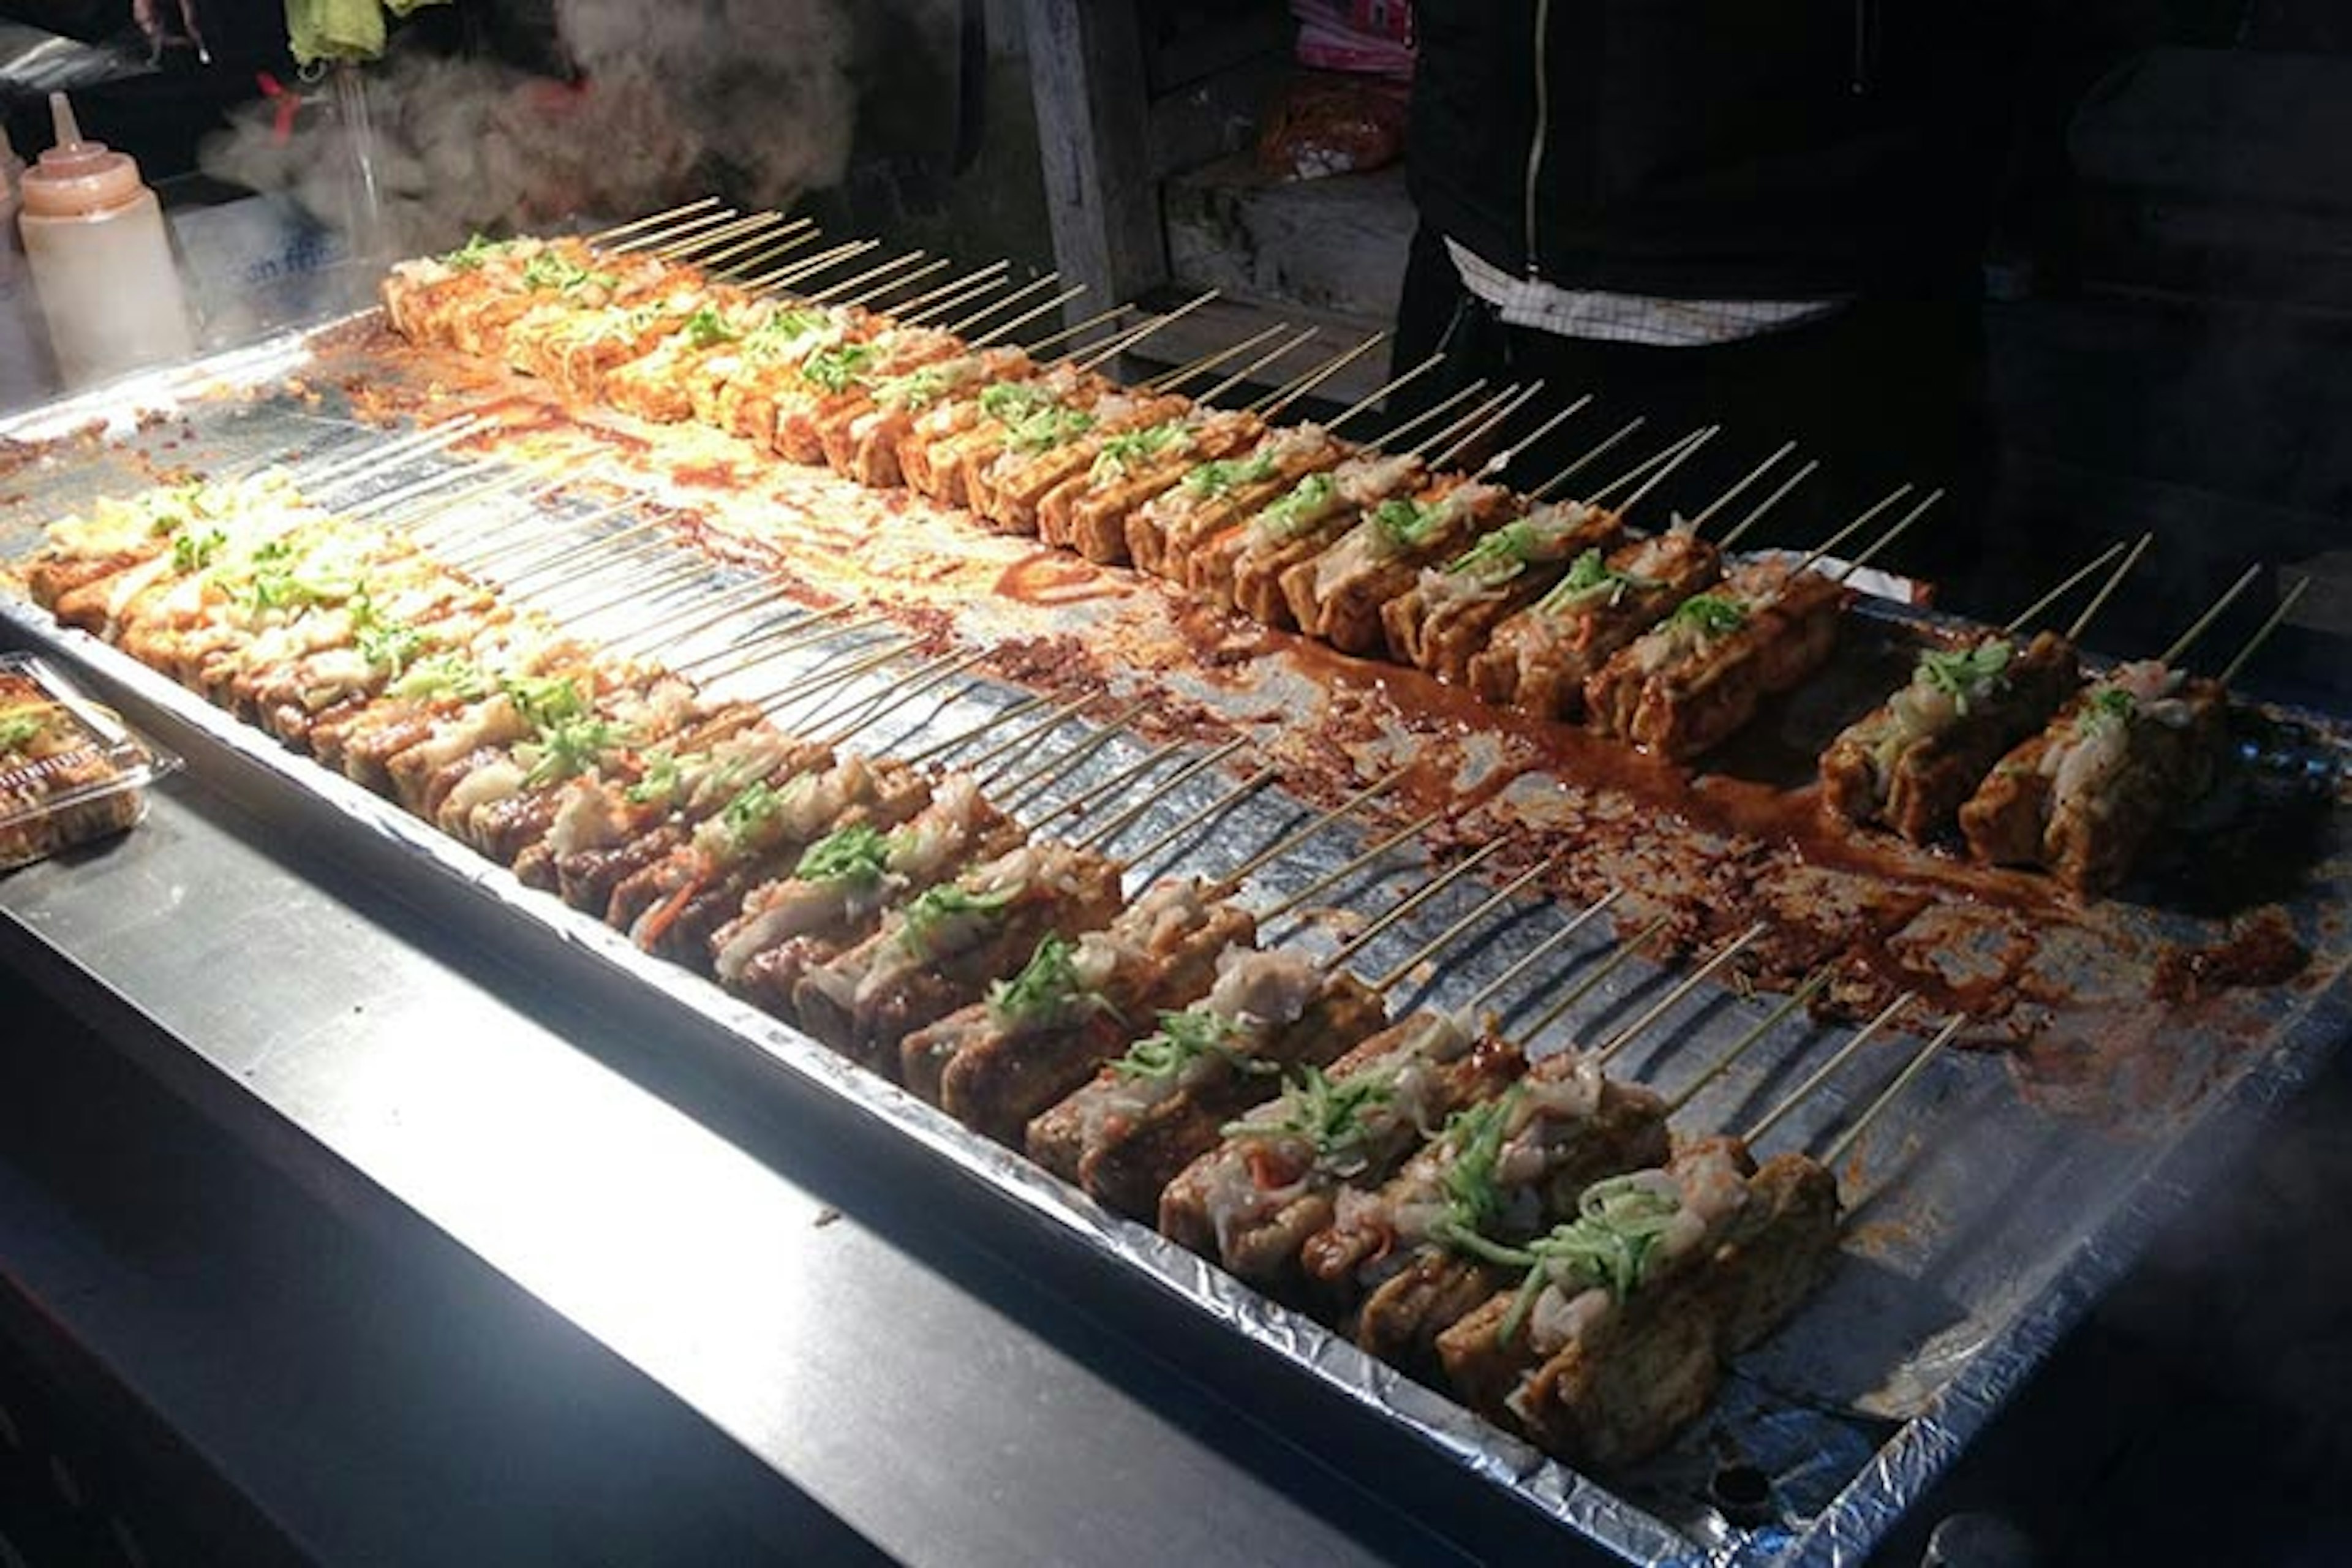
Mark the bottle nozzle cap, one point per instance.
(77, 177)
(61, 115)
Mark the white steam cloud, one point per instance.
(676, 99)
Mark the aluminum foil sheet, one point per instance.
(1981, 1224)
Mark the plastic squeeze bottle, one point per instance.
(94, 234)
(25, 372)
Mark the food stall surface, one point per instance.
(744, 1352)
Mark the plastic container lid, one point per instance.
(70, 771)
(77, 178)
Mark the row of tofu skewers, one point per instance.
(1553, 606)
(1520, 1227)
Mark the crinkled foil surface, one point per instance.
(1983, 1218)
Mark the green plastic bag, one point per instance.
(341, 29)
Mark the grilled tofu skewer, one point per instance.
(1618, 1334)
(1911, 764)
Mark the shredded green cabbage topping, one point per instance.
(477, 250)
(939, 905)
(548, 270)
(1182, 1040)
(2106, 708)
(835, 368)
(1293, 513)
(1710, 614)
(858, 854)
(1047, 993)
(1591, 582)
(1501, 554)
(1132, 448)
(707, 328)
(1329, 1113)
(1211, 480)
(1966, 675)
(1610, 1244)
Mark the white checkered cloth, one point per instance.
(1629, 318)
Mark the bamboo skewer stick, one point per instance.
(2263, 633)
(1779, 493)
(1098, 354)
(1663, 454)
(1339, 874)
(1404, 909)
(1849, 529)
(1284, 397)
(1089, 324)
(482, 476)
(725, 234)
(1447, 435)
(1508, 455)
(1241, 376)
(1543, 949)
(1893, 1091)
(518, 532)
(1109, 832)
(635, 555)
(631, 593)
(674, 233)
(2074, 579)
(1665, 463)
(917, 687)
(1622, 954)
(1103, 790)
(1005, 329)
(1739, 486)
(1828, 1069)
(530, 569)
(955, 291)
(682, 240)
(1434, 411)
(823, 680)
(1123, 777)
(1503, 416)
(426, 524)
(1168, 380)
(2204, 623)
(1030, 791)
(777, 639)
(1689, 984)
(1201, 820)
(1037, 731)
(758, 249)
(1889, 537)
(1226, 886)
(963, 737)
(1622, 433)
(1373, 398)
(738, 601)
(872, 298)
(1772, 1020)
(661, 612)
(2099, 600)
(809, 266)
(651, 220)
(833, 292)
(1020, 790)
(1486, 906)
(417, 443)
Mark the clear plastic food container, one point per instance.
(70, 771)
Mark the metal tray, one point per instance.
(1984, 1222)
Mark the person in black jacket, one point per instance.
(1770, 217)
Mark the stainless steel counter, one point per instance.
(935, 1392)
